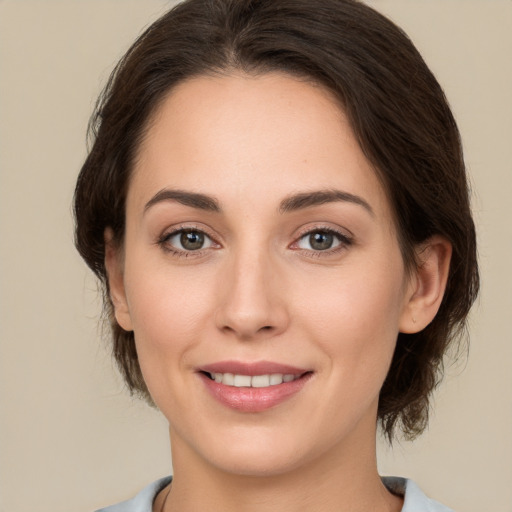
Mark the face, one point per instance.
(260, 273)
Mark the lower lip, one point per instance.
(254, 399)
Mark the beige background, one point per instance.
(70, 437)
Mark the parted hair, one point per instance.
(396, 108)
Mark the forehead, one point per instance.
(249, 136)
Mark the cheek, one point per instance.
(355, 315)
(168, 309)
(168, 313)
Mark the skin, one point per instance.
(260, 291)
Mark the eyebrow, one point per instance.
(292, 203)
(193, 199)
(318, 197)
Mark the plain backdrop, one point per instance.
(71, 439)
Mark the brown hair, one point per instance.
(396, 108)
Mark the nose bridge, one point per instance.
(251, 302)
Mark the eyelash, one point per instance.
(344, 241)
(164, 242)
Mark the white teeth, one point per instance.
(242, 381)
(260, 381)
(276, 378)
(255, 381)
(228, 379)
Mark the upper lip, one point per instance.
(252, 368)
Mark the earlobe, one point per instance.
(115, 277)
(427, 284)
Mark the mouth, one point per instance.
(253, 387)
(251, 381)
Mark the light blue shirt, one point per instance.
(414, 499)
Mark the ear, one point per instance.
(427, 284)
(114, 266)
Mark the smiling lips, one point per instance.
(254, 381)
(253, 387)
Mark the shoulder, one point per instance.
(143, 502)
(414, 499)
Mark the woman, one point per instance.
(277, 206)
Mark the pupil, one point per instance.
(321, 241)
(192, 240)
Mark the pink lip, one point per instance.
(247, 399)
(255, 368)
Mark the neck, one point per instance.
(343, 479)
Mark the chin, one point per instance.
(250, 464)
(261, 454)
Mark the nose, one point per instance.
(252, 302)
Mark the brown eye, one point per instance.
(321, 240)
(188, 240)
(192, 240)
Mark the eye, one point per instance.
(321, 240)
(188, 240)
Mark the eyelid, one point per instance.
(345, 237)
(168, 233)
(344, 233)
(208, 242)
